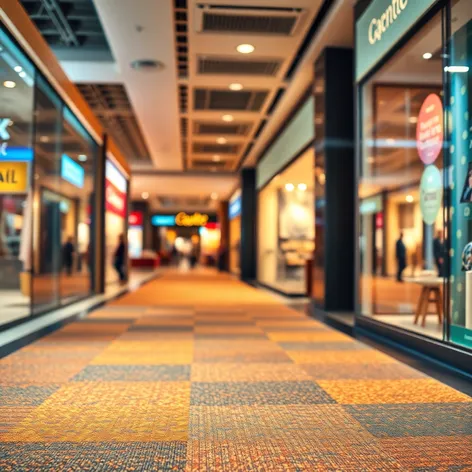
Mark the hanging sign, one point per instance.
(14, 177)
(430, 129)
(431, 192)
(197, 219)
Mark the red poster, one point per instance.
(430, 129)
(135, 218)
(115, 200)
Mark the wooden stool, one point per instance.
(429, 294)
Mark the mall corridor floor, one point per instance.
(203, 373)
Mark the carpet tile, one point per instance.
(197, 372)
(258, 393)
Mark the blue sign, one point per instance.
(381, 26)
(15, 154)
(235, 208)
(163, 220)
(72, 171)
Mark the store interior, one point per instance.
(286, 227)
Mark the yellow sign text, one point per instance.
(197, 219)
(13, 177)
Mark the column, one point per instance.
(223, 219)
(248, 254)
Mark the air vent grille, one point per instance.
(215, 65)
(200, 163)
(210, 148)
(246, 100)
(183, 98)
(238, 129)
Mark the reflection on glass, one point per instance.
(286, 227)
(16, 160)
(402, 248)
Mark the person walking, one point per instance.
(438, 253)
(68, 251)
(400, 253)
(119, 259)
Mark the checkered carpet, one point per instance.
(201, 373)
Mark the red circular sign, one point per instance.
(430, 129)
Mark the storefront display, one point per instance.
(414, 198)
(286, 227)
(235, 232)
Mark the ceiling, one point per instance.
(169, 121)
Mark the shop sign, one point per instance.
(430, 129)
(431, 192)
(381, 26)
(135, 218)
(163, 220)
(114, 176)
(235, 208)
(197, 219)
(115, 200)
(72, 171)
(14, 177)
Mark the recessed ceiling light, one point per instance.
(456, 69)
(145, 195)
(22, 74)
(214, 196)
(235, 87)
(302, 187)
(390, 141)
(427, 55)
(216, 158)
(370, 160)
(228, 118)
(44, 139)
(289, 187)
(9, 84)
(82, 157)
(221, 140)
(245, 48)
(413, 119)
(409, 198)
(18, 68)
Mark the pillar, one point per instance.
(223, 219)
(248, 254)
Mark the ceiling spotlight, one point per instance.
(235, 87)
(44, 139)
(289, 187)
(22, 74)
(145, 195)
(216, 158)
(245, 48)
(413, 120)
(228, 118)
(371, 160)
(409, 198)
(427, 55)
(302, 187)
(9, 84)
(221, 140)
(18, 68)
(82, 157)
(214, 196)
(456, 69)
(390, 141)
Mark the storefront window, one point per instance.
(402, 249)
(459, 75)
(16, 161)
(286, 227)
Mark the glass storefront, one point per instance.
(414, 169)
(47, 181)
(286, 227)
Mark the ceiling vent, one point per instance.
(206, 128)
(203, 164)
(246, 100)
(254, 67)
(210, 148)
(248, 20)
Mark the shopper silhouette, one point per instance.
(400, 252)
(119, 258)
(68, 251)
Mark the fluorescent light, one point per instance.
(427, 55)
(221, 140)
(456, 69)
(145, 195)
(216, 158)
(413, 119)
(235, 87)
(302, 187)
(82, 157)
(228, 118)
(390, 141)
(409, 198)
(214, 196)
(18, 68)
(245, 48)
(9, 84)
(289, 187)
